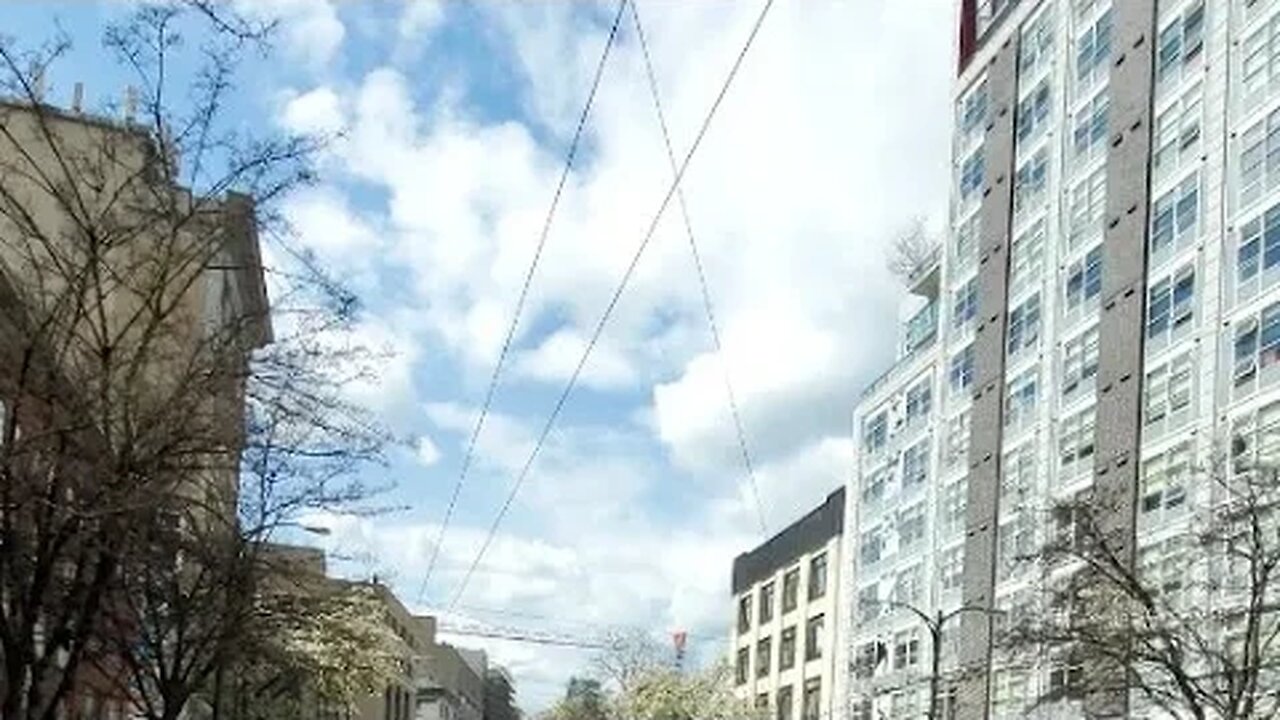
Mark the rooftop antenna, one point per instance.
(77, 98)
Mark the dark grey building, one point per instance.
(786, 617)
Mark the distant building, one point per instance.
(786, 608)
(449, 686)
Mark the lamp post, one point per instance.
(935, 624)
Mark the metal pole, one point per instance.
(935, 629)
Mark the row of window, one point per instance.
(909, 524)
(813, 640)
(784, 703)
(873, 657)
(790, 593)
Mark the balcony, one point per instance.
(921, 333)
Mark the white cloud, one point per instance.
(427, 452)
(557, 356)
(312, 30)
(316, 112)
(835, 134)
(420, 17)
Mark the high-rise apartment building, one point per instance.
(1104, 312)
(786, 605)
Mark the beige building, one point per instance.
(786, 611)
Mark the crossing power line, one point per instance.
(613, 301)
(707, 305)
(469, 455)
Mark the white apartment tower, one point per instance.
(787, 604)
(1104, 313)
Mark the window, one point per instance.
(864, 707)
(1260, 158)
(973, 109)
(951, 568)
(951, 510)
(766, 603)
(1008, 693)
(1016, 535)
(915, 465)
(813, 638)
(1089, 127)
(1177, 134)
(911, 526)
(1088, 203)
(1024, 326)
(960, 371)
(868, 658)
(906, 649)
(1027, 258)
(1084, 280)
(988, 11)
(1017, 474)
(1075, 444)
(971, 173)
(1175, 217)
(744, 614)
(964, 303)
(1164, 479)
(904, 704)
(786, 702)
(966, 239)
(1171, 306)
(1257, 349)
(1259, 248)
(812, 698)
(908, 586)
(1093, 51)
(764, 657)
(1180, 44)
(874, 484)
(1035, 49)
(1168, 391)
(871, 546)
(1163, 566)
(1020, 399)
(787, 648)
(742, 668)
(919, 400)
(1029, 182)
(818, 576)
(1065, 677)
(790, 590)
(1033, 113)
(762, 701)
(956, 450)
(869, 603)
(1079, 361)
(876, 433)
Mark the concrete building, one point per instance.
(1105, 312)
(787, 601)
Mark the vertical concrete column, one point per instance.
(1122, 329)
(987, 414)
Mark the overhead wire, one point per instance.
(469, 455)
(707, 305)
(613, 302)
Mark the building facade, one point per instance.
(786, 603)
(1103, 315)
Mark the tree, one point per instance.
(646, 686)
(162, 421)
(911, 251)
(1187, 625)
(317, 649)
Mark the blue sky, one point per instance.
(455, 118)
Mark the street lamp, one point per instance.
(935, 624)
